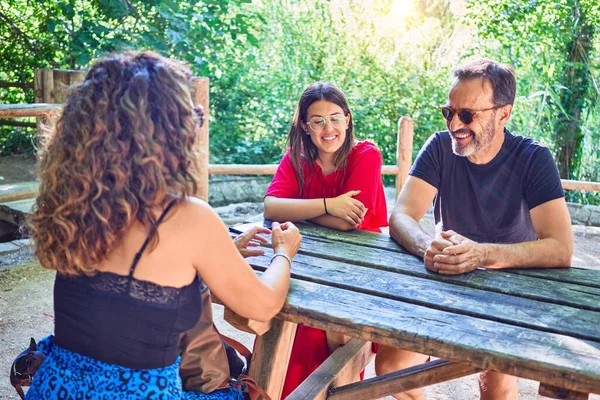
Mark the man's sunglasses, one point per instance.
(466, 116)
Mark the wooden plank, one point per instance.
(411, 378)
(48, 86)
(559, 360)
(27, 110)
(21, 85)
(579, 276)
(271, 357)
(269, 169)
(343, 364)
(560, 393)
(490, 280)
(6, 122)
(580, 185)
(18, 191)
(457, 299)
(16, 212)
(360, 238)
(245, 324)
(355, 237)
(38, 89)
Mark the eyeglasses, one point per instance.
(466, 116)
(317, 124)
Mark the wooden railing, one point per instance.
(52, 87)
(20, 85)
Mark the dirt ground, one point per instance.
(26, 301)
(17, 168)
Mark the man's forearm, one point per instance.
(543, 253)
(409, 234)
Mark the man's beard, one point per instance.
(478, 142)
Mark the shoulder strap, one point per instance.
(240, 348)
(153, 229)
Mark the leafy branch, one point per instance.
(27, 41)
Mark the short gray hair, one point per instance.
(501, 77)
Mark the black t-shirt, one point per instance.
(490, 202)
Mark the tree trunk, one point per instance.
(576, 79)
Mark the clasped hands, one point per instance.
(453, 254)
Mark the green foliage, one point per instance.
(16, 140)
(554, 46)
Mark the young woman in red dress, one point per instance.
(328, 178)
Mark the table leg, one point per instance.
(271, 357)
(559, 393)
(343, 365)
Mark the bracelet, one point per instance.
(325, 204)
(281, 255)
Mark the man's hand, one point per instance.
(436, 247)
(250, 239)
(463, 255)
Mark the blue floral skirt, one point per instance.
(68, 375)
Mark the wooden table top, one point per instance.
(541, 324)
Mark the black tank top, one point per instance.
(123, 320)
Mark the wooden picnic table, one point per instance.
(539, 324)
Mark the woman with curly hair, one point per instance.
(116, 220)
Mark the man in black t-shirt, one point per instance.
(498, 200)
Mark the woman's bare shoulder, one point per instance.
(195, 213)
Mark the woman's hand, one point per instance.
(286, 238)
(347, 208)
(251, 238)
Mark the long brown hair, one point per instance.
(122, 148)
(300, 145)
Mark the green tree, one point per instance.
(69, 34)
(551, 42)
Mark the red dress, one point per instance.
(362, 172)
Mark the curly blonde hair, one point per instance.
(122, 148)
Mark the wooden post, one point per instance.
(47, 86)
(38, 92)
(271, 357)
(200, 96)
(404, 151)
(53, 86)
(343, 365)
(64, 81)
